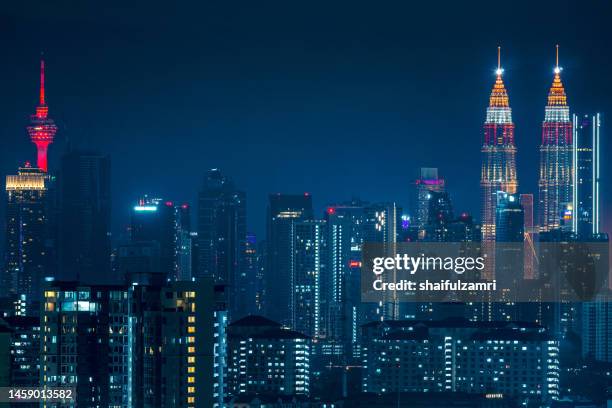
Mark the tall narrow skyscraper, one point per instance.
(42, 129)
(26, 235)
(222, 238)
(427, 182)
(585, 160)
(556, 176)
(283, 210)
(84, 221)
(498, 171)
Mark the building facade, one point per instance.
(266, 359)
(512, 359)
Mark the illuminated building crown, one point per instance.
(556, 95)
(499, 95)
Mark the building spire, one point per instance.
(556, 95)
(499, 95)
(42, 81)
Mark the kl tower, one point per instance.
(42, 129)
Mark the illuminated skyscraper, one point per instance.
(26, 235)
(585, 160)
(427, 181)
(307, 263)
(556, 174)
(342, 291)
(498, 160)
(42, 129)
(283, 210)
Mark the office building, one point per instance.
(27, 236)
(586, 165)
(85, 217)
(428, 181)
(222, 237)
(283, 210)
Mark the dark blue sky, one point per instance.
(339, 99)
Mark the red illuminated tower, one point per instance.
(498, 171)
(556, 169)
(42, 129)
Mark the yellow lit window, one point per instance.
(190, 329)
(190, 380)
(191, 349)
(191, 370)
(191, 400)
(191, 389)
(190, 339)
(191, 359)
(191, 319)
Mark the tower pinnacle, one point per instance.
(42, 129)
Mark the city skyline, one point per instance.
(174, 133)
(306, 204)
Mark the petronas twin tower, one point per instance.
(499, 157)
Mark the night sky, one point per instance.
(338, 99)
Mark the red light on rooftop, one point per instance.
(169, 203)
(331, 210)
(354, 264)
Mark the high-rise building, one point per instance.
(42, 129)
(511, 358)
(178, 343)
(440, 215)
(556, 174)
(222, 237)
(84, 219)
(428, 181)
(597, 330)
(510, 218)
(85, 343)
(341, 283)
(27, 232)
(283, 210)
(24, 350)
(266, 359)
(498, 171)
(156, 220)
(308, 249)
(380, 227)
(253, 275)
(585, 160)
(509, 252)
(148, 344)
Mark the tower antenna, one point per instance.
(42, 81)
(498, 58)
